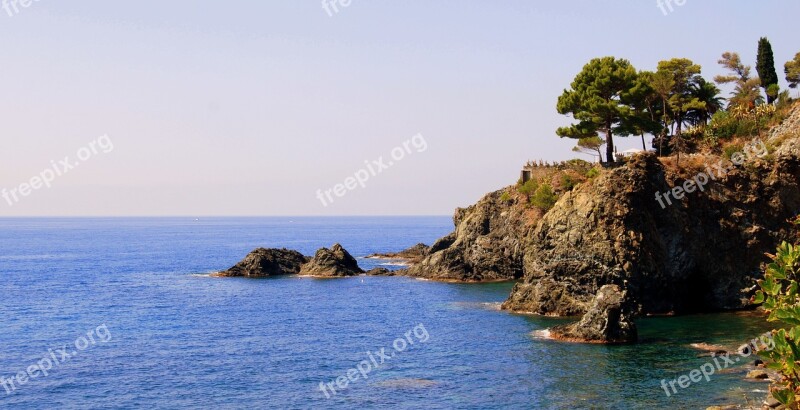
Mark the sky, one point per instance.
(256, 108)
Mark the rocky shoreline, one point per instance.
(607, 250)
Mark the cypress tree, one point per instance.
(765, 65)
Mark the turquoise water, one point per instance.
(164, 335)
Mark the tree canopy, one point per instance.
(747, 90)
(685, 76)
(792, 70)
(597, 101)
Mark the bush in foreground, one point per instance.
(780, 297)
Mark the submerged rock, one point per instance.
(333, 262)
(609, 320)
(264, 262)
(380, 272)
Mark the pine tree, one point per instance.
(595, 101)
(765, 65)
(685, 75)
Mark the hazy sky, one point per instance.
(251, 107)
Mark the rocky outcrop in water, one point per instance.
(333, 262)
(380, 272)
(609, 320)
(413, 254)
(267, 262)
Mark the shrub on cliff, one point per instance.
(780, 297)
(529, 187)
(544, 197)
(568, 181)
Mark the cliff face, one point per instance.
(487, 244)
(698, 253)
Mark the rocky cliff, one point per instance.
(700, 250)
(487, 244)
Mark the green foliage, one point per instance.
(662, 84)
(646, 108)
(708, 94)
(744, 122)
(792, 70)
(723, 126)
(685, 75)
(765, 66)
(596, 100)
(578, 164)
(731, 149)
(529, 187)
(747, 90)
(779, 296)
(568, 182)
(773, 91)
(590, 146)
(505, 197)
(592, 173)
(544, 197)
(784, 100)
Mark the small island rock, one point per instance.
(264, 262)
(333, 262)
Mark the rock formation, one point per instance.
(487, 244)
(698, 253)
(413, 254)
(380, 272)
(609, 320)
(267, 262)
(333, 262)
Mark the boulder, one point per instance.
(333, 262)
(264, 262)
(609, 320)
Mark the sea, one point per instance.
(121, 313)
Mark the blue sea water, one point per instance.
(129, 301)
